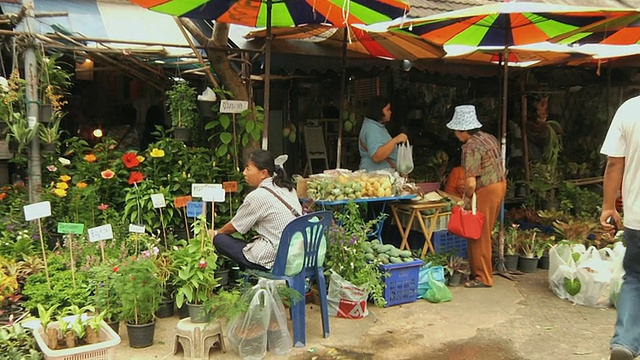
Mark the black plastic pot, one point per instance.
(198, 313)
(166, 309)
(182, 134)
(141, 336)
(544, 262)
(222, 275)
(511, 262)
(527, 265)
(455, 279)
(114, 325)
(183, 312)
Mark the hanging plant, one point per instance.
(181, 101)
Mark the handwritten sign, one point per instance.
(37, 210)
(181, 201)
(230, 186)
(158, 200)
(98, 233)
(233, 106)
(70, 228)
(194, 208)
(198, 189)
(134, 228)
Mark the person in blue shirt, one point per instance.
(377, 148)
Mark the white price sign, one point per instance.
(158, 200)
(197, 190)
(233, 106)
(37, 210)
(213, 195)
(98, 233)
(133, 228)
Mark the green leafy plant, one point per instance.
(226, 304)
(346, 253)
(50, 134)
(139, 289)
(455, 265)
(511, 239)
(181, 101)
(17, 342)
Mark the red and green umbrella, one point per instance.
(285, 12)
(506, 24)
(624, 30)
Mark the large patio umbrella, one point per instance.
(624, 30)
(505, 25)
(269, 13)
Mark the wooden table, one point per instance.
(414, 209)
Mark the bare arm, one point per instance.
(612, 182)
(385, 150)
(225, 229)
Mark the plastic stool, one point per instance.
(196, 339)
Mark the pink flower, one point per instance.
(202, 264)
(52, 168)
(103, 207)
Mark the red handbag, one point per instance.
(466, 224)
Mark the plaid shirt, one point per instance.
(269, 216)
(482, 159)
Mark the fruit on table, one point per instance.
(347, 187)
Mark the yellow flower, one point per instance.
(65, 178)
(60, 192)
(81, 185)
(157, 153)
(140, 158)
(62, 186)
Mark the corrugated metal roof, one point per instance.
(420, 8)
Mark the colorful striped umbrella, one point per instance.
(359, 39)
(506, 24)
(285, 12)
(624, 30)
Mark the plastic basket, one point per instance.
(401, 282)
(104, 350)
(444, 241)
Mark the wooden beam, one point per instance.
(196, 52)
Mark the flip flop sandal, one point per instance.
(475, 284)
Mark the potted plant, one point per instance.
(196, 264)
(104, 297)
(511, 247)
(140, 291)
(50, 135)
(529, 246)
(456, 267)
(181, 101)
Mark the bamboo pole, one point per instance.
(196, 52)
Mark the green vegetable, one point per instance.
(395, 260)
(405, 253)
(575, 256)
(375, 241)
(572, 286)
(369, 256)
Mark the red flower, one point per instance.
(202, 264)
(130, 160)
(3, 196)
(115, 268)
(135, 177)
(103, 207)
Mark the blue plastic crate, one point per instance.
(444, 241)
(401, 282)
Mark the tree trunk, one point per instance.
(229, 77)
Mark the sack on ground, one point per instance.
(345, 299)
(438, 291)
(423, 278)
(247, 334)
(405, 158)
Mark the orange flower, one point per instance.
(81, 185)
(3, 196)
(108, 174)
(90, 158)
(65, 178)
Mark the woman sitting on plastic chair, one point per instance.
(269, 208)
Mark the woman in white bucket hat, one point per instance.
(485, 176)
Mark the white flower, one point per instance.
(4, 84)
(64, 161)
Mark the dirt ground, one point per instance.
(514, 320)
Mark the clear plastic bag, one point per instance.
(405, 158)
(278, 337)
(247, 334)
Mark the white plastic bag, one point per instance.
(278, 336)
(618, 271)
(405, 158)
(247, 334)
(345, 299)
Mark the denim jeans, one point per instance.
(627, 330)
(232, 248)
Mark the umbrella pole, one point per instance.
(343, 81)
(525, 141)
(267, 79)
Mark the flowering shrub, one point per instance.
(345, 252)
(138, 287)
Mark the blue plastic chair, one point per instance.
(312, 227)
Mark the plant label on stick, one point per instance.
(194, 208)
(218, 195)
(70, 228)
(103, 232)
(37, 210)
(198, 189)
(230, 186)
(233, 106)
(181, 201)
(134, 228)
(213, 195)
(158, 201)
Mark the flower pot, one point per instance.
(198, 313)
(222, 275)
(141, 336)
(45, 113)
(114, 325)
(48, 148)
(205, 108)
(166, 309)
(527, 265)
(183, 312)
(181, 134)
(455, 279)
(544, 262)
(511, 262)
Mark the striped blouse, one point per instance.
(262, 211)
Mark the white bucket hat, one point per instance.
(464, 118)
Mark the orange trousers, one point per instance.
(489, 199)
